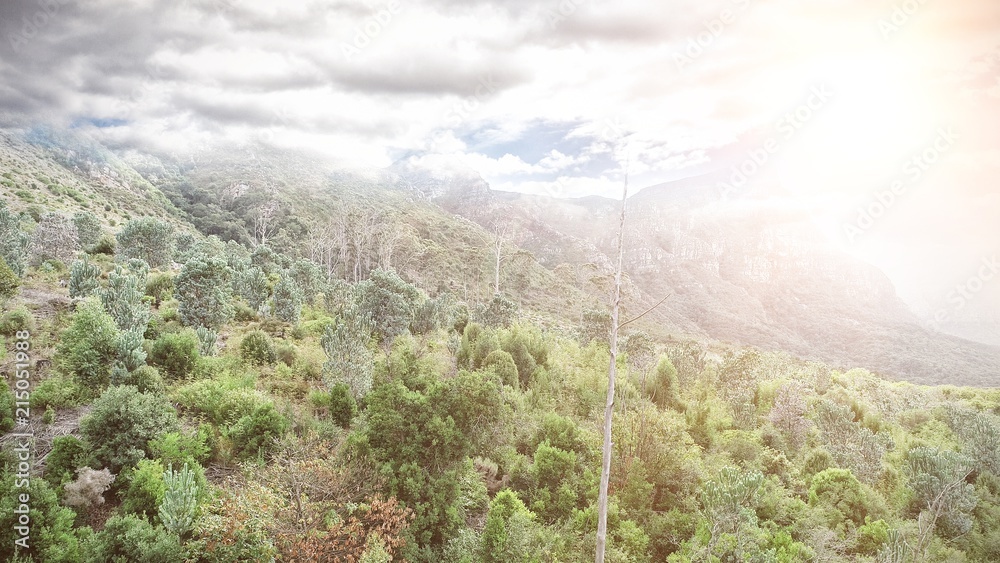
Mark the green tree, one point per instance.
(938, 480)
(122, 298)
(146, 239)
(664, 389)
(88, 228)
(175, 354)
(726, 503)
(84, 278)
(349, 358)
(499, 312)
(389, 301)
(343, 407)
(203, 290)
(131, 538)
(89, 347)
(121, 424)
(251, 285)
(255, 434)
(287, 300)
(180, 500)
(55, 238)
(13, 241)
(507, 530)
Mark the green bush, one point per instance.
(68, 454)
(343, 407)
(257, 348)
(146, 379)
(175, 354)
(145, 489)
(121, 424)
(502, 364)
(160, 287)
(89, 347)
(131, 538)
(8, 281)
(51, 525)
(59, 392)
(255, 434)
(105, 245)
(17, 320)
(6, 408)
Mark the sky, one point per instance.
(877, 118)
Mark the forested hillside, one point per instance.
(234, 361)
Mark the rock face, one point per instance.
(743, 271)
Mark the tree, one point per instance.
(726, 503)
(389, 301)
(13, 241)
(180, 500)
(55, 238)
(88, 228)
(122, 298)
(664, 391)
(203, 291)
(121, 424)
(499, 312)
(251, 284)
(89, 347)
(308, 277)
(147, 239)
(938, 480)
(84, 278)
(287, 300)
(349, 358)
(507, 529)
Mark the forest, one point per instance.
(227, 383)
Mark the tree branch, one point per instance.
(633, 319)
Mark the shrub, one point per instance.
(255, 434)
(130, 538)
(55, 238)
(17, 320)
(175, 354)
(146, 379)
(88, 228)
(145, 489)
(502, 364)
(6, 408)
(51, 535)
(84, 278)
(88, 489)
(89, 347)
(343, 407)
(121, 424)
(13, 242)
(106, 245)
(68, 453)
(180, 500)
(389, 302)
(499, 312)
(160, 287)
(203, 290)
(8, 281)
(257, 348)
(58, 392)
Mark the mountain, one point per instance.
(742, 270)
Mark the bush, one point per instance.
(89, 347)
(121, 424)
(130, 538)
(58, 392)
(343, 407)
(68, 453)
(88, 489)
(502, 364)
(255, 434)
(146, 379)
(175, 354)
(257, 348)
(106, 245)
(8, 281)
(145, 489)
(160, 287)
(6, 408)
(51, 536)
(17, 320)
(287, 301)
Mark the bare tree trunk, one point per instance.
(602, 499)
